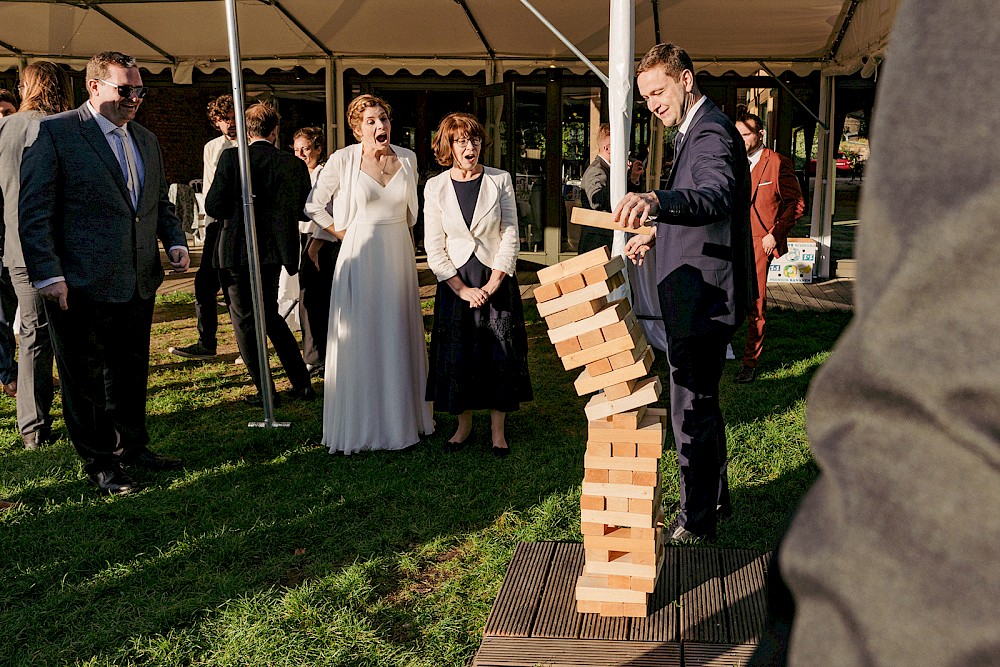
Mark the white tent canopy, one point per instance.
(442, 35)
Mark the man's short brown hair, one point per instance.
(603, 130)
(97, 67)
(751, 120)
(452, 127)
(670, 57)
(261, 119)
(220, 108)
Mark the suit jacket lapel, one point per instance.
(489, 195)
(150, 164)
(92, 133)
(451, 211)
(702, 110)
(756, 176)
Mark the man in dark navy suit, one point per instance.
(92, 206)
(703, 267)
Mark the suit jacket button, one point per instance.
(137, 220)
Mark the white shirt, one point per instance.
(755, 158)
(212, 153)
(690, 115)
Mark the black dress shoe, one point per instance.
(301, 393)
(746, 375)
(500, 452)
(723, 513)
(257, 401)
(678, 534)
(34, 440)
(113, 481)
(149, 460)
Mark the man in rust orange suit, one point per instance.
(776, 203)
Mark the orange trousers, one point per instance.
(755, 314)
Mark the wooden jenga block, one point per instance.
(619, 328)
(629, 357)
(592, 502)
(590, 339)
(595, 476)
(567, 347)
(612, 609)
(615, 312)
(635, 610)
(571, 283)
(634, 339)
(650, 430)
(576, 313)
(643, 491)
(616, 504)
(619, 476)
(597, 450)
(638, 506)
(595, 587)
(604, 220)
(645, 479)
(577, 264)
(619, 581)
(632, 540)
(609, 463)
(628, 420)
(588, 293)
(601, 272)
(599, 367)
(626, 564)
(646, 392)
(623, 449)
(586, 384)
(620, 390)
(624, 519)
(593, 529)
(644, 584)
(588, 607)
(649, 450)
(546, 292)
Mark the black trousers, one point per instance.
(207, 284)
(696, 365)
(314, 300)
(102, 351)
(237, 283)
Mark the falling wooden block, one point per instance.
(546, 292)
(585, 383)
(588, 293)
(603, 220)
(596, 274)
(571, 283)
(646, 392)
(615, 312)
(628, 420)
(567, 347)
(576, 313)
(635, 339)
(577, 264)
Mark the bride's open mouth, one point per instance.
(382, 138)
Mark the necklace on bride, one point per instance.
(379, 164)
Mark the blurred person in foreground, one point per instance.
(479, 346)
(892, 556)
(376, 358)
(46, 90)
(92, 206)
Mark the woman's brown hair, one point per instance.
(452, 127)
(45, 87)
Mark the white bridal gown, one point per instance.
(376, 359)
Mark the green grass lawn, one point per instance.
(266, 550)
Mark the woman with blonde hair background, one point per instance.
(376, 360)
(45, 89)
(479, 347)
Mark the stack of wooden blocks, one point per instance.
(620, 511)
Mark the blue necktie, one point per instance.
(126, 160)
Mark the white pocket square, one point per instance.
(762, 184)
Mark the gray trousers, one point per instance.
(35, 358)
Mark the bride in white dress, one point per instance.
(376, 358)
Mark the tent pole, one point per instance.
(341, 106)
(256, 289)
(621, 58)
(331, 102)
(569, 45)
(821, 226)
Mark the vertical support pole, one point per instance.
(821, 228)
(331, 105)
(621, 60)
(256, 288)
(554, 207)
(341, 106)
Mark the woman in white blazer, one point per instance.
(479, 347)
(376, 359)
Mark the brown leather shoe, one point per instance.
(10, 388)
(746, 375)
(113, 481)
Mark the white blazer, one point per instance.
(492, 236)
(336, 186)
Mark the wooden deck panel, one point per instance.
(513, 612)
(708, 609)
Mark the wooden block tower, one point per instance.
(620, 511)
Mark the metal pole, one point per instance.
(569, 45)
(791, 93)
(256, 289)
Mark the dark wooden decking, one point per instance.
(707, 610)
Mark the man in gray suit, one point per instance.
(92, 205)
(596, 188)
(704, 264)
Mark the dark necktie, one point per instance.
(678, 140)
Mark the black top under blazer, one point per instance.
(704, 257)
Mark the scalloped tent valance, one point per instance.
(442, 35)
